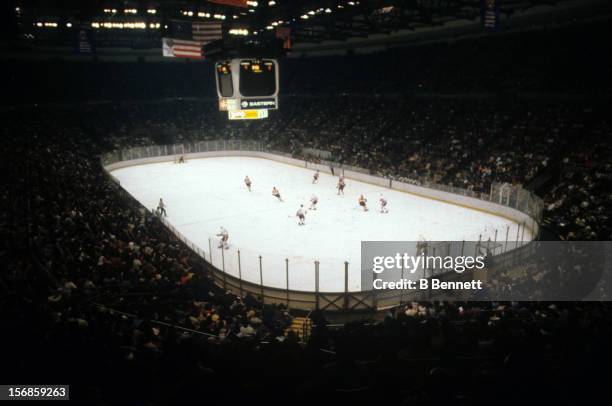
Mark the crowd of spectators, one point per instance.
(580, 201)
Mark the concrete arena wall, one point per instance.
(452, 198)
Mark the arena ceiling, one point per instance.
(310, 21)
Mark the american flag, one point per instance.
(178, 48)
(206, 31)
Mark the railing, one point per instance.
(242, 272)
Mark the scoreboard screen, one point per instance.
(257, 78)
(224, 76)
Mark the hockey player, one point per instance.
(315, 177)
(421, 246)
(181, 159)
(341, 185)
(301, 215)
(161, 208)
(313, 202)
(247, 182)
(383, 205)
(223, 243)
(363, 203)
(276, 193)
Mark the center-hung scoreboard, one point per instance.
(247, 87)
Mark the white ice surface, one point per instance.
(205, 194)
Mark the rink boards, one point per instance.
(208, 192)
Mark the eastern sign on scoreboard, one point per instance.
(247, 84)
(247, 114)
(247, 104)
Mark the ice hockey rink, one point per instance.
(204, 194)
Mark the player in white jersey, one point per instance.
(247, 182)
(161, 208)
(301, 215)
(315, 177)
(313, 202)
(223, 243)
(383, 205)
(276, 194)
